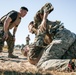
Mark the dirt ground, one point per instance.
(21, 66)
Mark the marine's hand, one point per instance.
(42, 28)
(5, 36)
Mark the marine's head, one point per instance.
(23, 11)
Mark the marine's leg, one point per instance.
(10, 42)
(1, 42)
(1, 37)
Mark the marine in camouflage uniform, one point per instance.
(27, 40)
(62, 39)
(7, 22)
(39, 43)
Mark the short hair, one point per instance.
(24, 8)
(32, 22)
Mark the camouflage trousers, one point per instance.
(62, 41)
(10, 40)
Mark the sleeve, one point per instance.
(13, 16)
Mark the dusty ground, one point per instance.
(21, 66)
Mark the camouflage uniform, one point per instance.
(1, 37)
(62, 39)
(10, 41)
(39, 44)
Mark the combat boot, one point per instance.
(12, 56)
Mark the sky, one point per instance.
(64, 11)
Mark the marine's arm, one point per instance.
(6, 27)
(10, 18)
(42, 26)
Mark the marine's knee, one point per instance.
(10, 40)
